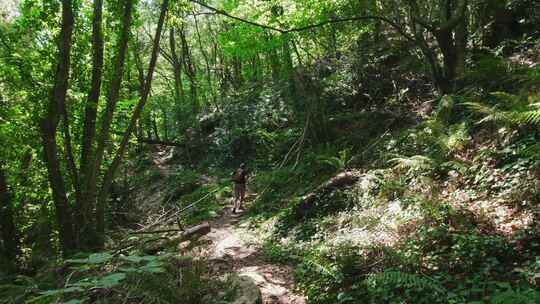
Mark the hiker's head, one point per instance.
(242, 166)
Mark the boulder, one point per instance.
(247, 292)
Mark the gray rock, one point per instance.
(247, 292)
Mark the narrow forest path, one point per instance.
(229, 248)
(229, 251)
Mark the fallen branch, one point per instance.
(156, 231)
(189, 234)
(194, 232)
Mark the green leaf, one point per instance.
(74, 301)
(61, 291)
(138, 259)
(95, 258)
(110, 280)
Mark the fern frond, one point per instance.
(322, 269)
(516, 117)
(506, 97)
(402, 279)
(528, 117)
(416, 162)
(532, 151)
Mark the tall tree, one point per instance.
(49, 125)
(111, 171)
(87, 158)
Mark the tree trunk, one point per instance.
(461, 37)
(49, 126)
(275, 64)
(109, 175)
(87, 159)
(207, 64)
(92, 237)
(154, 126)
(177, 68)
(69, 156)
(9, 242)
(237, 72)
(447, 32)
(446, 44)
(190, 71)
(165, 123)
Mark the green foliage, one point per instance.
(87, 275)
(206, 200)
(517, 296)
(108, 279)
(396, 286)
(337, 163)
(414, 163)
(510, 110)
(276, 253)
(486, 68)
(319, 281)
(184, 182)
(305, 216)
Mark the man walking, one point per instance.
(239, 178)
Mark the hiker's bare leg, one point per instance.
(242, 195)
(236, 197)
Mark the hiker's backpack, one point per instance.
(237, 176)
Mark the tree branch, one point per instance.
(307, 27)
(224, 13)
(416, 16)
(453, 22)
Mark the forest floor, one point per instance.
(229, 249)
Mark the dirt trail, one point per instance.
(228, 251)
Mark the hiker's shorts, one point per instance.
(239, 190)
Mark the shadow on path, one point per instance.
(227, 252)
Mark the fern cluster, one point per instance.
(511, 110)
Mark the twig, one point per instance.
(195, 203)
(118, 250)
(303, 139)
(299, 142)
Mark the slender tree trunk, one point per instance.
(91, 232)
(69, 156)
(461, 37)
(275, 64)
(190, 70)
(177, 67)
(237, 71)
(109, 176)
(287, 73)
(154, 126)
(446, 45)
(9, 242)
(207, 64)
(87, 159)
(49, 126)
(140, 70)
(165, 123)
